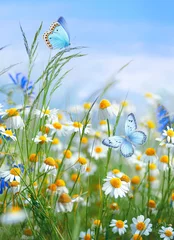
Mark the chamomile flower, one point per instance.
(77, 198)
(56, 145)
(42, 138)
(7, 133)
(166, 233)
(163, 163)
(115, 187)
(46, 112)
(27, 234)
(15, 186)
(12, 119)
(61, 186)
(98, 151)
(152, 98)
(11, 175)
(87, 235)
(150, 156)
(90, 169)
(13, 216)
(114, 207)
(106, 110)
(78, 127)
(64, 203)
(81, 164)
(118, 226)
(52, 189)
(127, 107)
(154, 171)
(69, 158)
(141, 226)
(58, 128)
(49, 166)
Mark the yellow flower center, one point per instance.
(97, 134)
(103, 122)
(87, 106)
(140, 226)
(168, 233)
(170, 133)
(60, 116)
(151, 178)
(135, 180)
(9, 132)
(164, 159)
(104, 104)
(57, 125)
(45, 129)
(68, 154)
(42, 139)
(114, 206)
(52, 187)
(55, 141)
(150, 152)
(77, 125)
(138, 167)
(97, 222)
(46, 111)
(138, 157)
(148, 95)
(64, 198)
(15, 171)
(14, 184)
(125, 178)
(88, 169)
(152, 166)
(15, 209)
(82, 160)
(50, 161)
(12, 112)
(84, 140)
(150, 124)
(124, 103)
(172, 196)
(98, 149)
(152, 204)
(119, 224)
(75, 177)
(115, 171)
(33, 158)
(28, 232)
(116, 182)
(60, 183)
(137, 237)
(87, 237)
(1, 141)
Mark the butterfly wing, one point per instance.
(138, 137)
(163, 119)
(63, 23)
(113, 142)
(126, 149)
(57, 37)
(131, 124)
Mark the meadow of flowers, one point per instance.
(63, 174)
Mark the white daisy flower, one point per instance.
(141, 226)
(15, 186)
(61, 186)
(58, 128)
(52, 189)
(49, 166)
(169, 134)
(152, 98)
(13, 216)
(12, 119)
(115, 187)
(106, 110)
(78, 127)
(56, 145)
(118, 226)
(7, 133)
(163, 163)
(90, 169)
(11, 175)
(89, 235)
(42, 138)
(81, 164)
(64, 203)
(149, 156)
(46, 112)
(77, 198)
(27, 234)
(97, 151)
(166, 233)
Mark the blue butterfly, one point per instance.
(133, 137)
(58, 35)
(163, 118)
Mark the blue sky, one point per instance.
(115, 32)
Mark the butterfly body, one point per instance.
(57, 37)
(126, 143)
